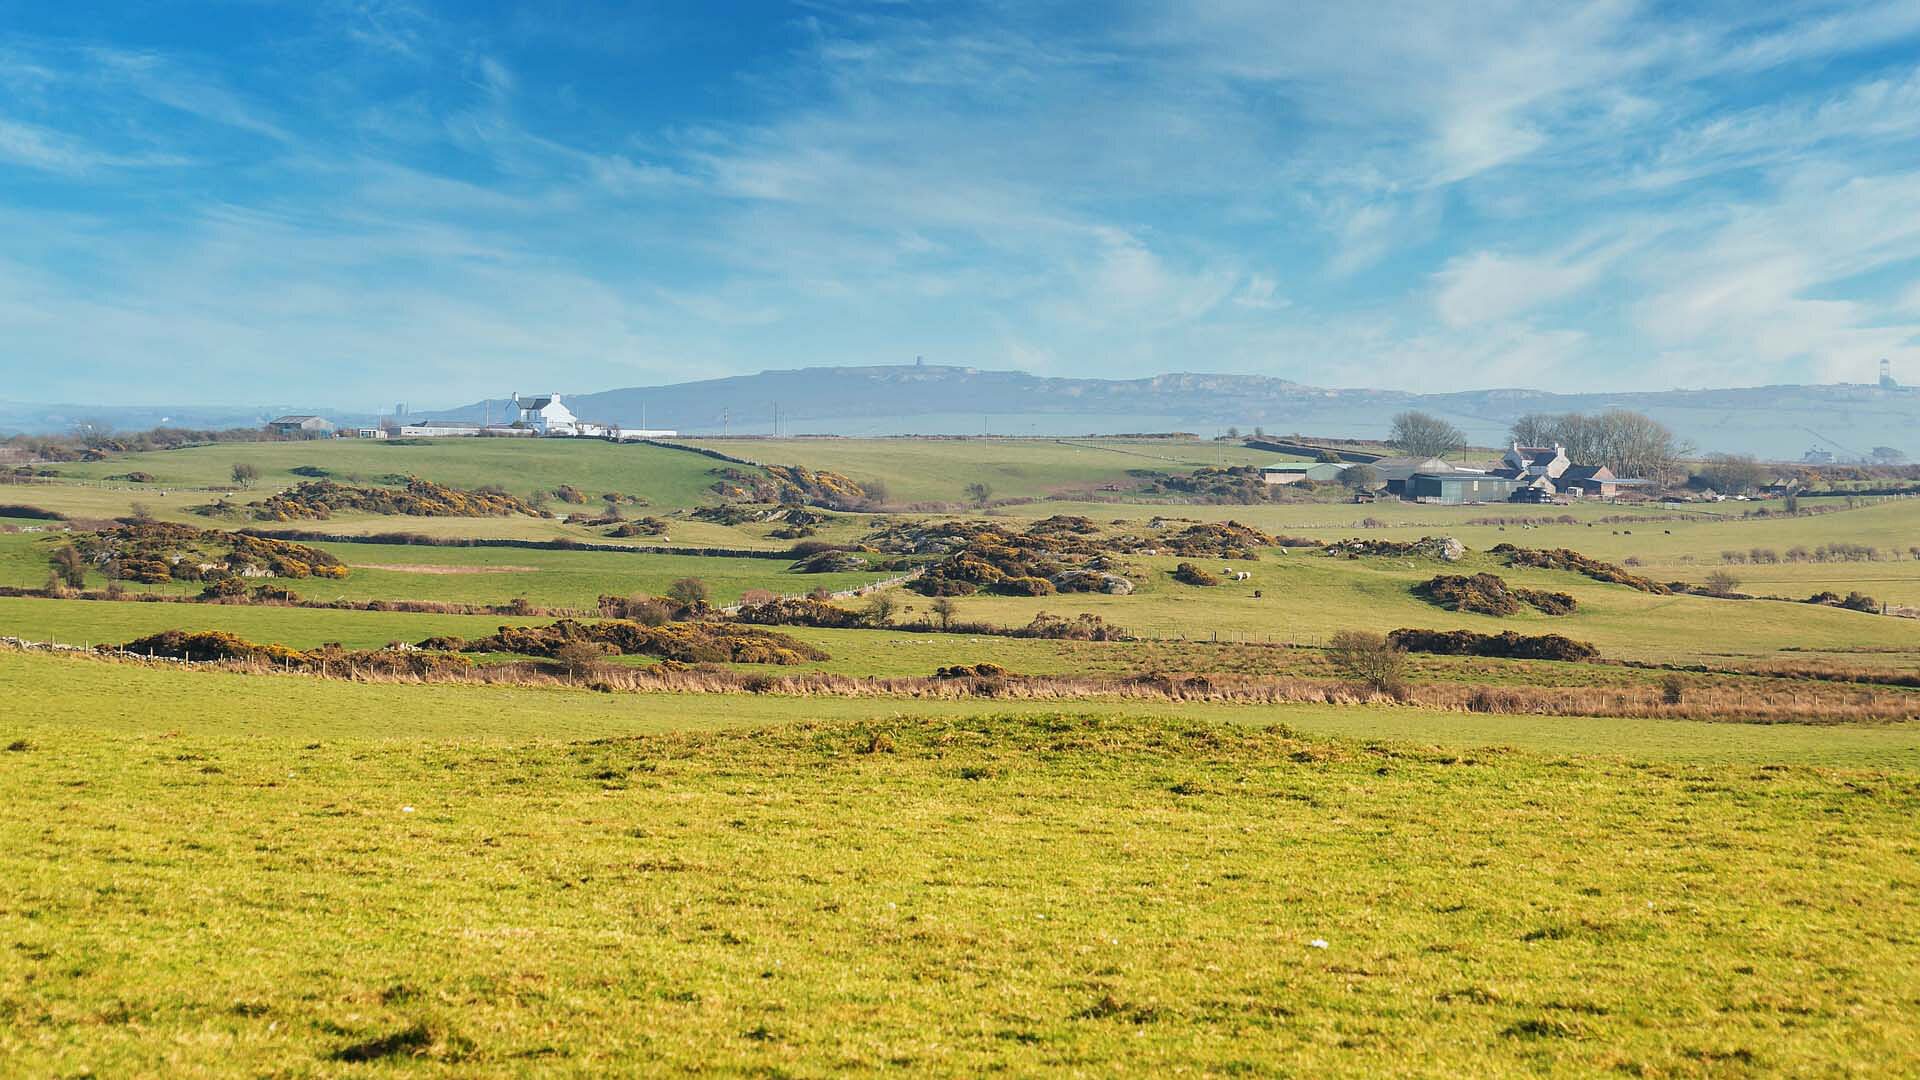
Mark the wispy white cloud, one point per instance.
(1435, 195)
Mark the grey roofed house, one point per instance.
(299, 423)
(1547, 461)
(544, 413)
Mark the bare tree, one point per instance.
(1731, 474)
(1425, 435)
(1629, 443)
(71, 566)
(579, 658)
(1370, 659)
(1536, 429)
(944, 611)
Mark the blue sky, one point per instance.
(357, 202)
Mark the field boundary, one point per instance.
(562, 544)
(1803, 706)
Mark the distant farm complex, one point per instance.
(1526, 474)
(536, 416)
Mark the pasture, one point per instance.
(204, 873)
(480, 575)
(522, 466)
(939, 470)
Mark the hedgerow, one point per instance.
(1506, 644)
(686, 642)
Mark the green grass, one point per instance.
(557, 578)
(567, 579)
(209, 874)
(939, 470)
(1669, 550)
(666, 478)
(1308, 596)
(131, 699)
(94, 622)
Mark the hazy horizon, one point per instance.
(454, 400)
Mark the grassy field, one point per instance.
(523, 466)
(94, 622)
(568, 579)
(1671, 545)
(137, 700)
(939, 470)
(1306, 597)
(911, 469)
(209, 874)
(559, 578)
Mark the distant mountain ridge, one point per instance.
(1780, 422)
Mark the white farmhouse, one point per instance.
(546, 415)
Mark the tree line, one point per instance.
(1629, 443)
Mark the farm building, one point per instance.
(1595, 481)
(1292, 472)
(546, 415)
(1547, 461)
(1461, 486)
(300, 425)
(1395, 472)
